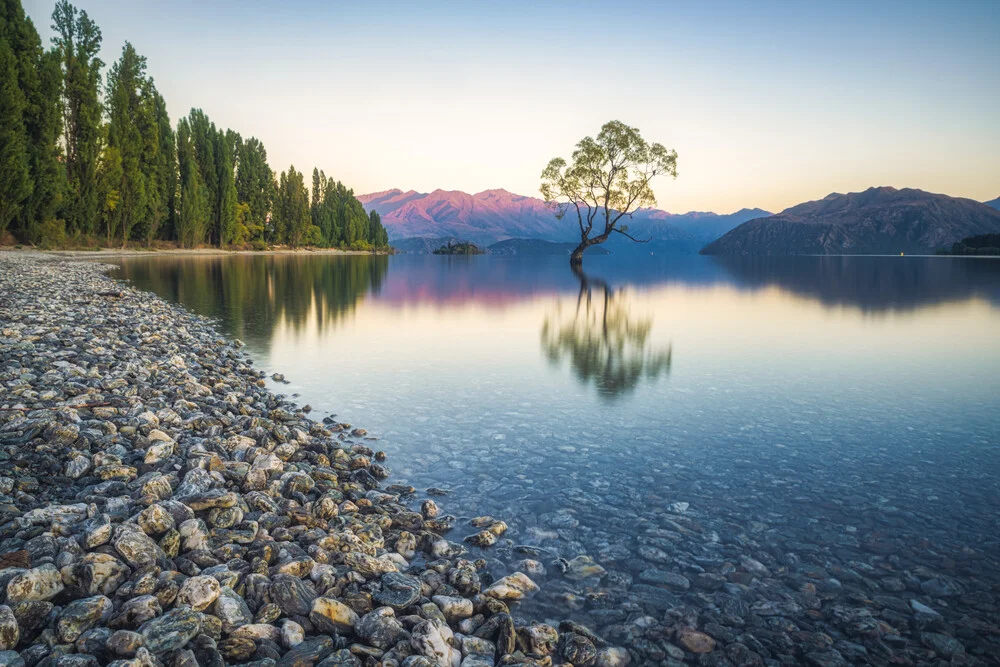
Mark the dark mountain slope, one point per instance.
(876, 221)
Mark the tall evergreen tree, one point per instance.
(254, 182)
(193, 214)
(132, 131)
(164, 170)
(107, 187)
(379, 237)
(226, 210)
(15, 180)
(78, 41)
(203, 133)
(39, 80)
(316, 189)
(291, 207)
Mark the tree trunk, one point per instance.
(576, 259)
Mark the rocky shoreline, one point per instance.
(160, 506)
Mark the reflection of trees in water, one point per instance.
(604, 342)
(251, 294)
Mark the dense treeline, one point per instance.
(93, 160)
(983, 244)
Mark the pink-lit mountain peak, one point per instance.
(497, 214)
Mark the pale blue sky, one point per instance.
(767, 103)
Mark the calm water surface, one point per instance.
(841, 409)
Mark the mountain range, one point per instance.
(880, 220)
(497, 215)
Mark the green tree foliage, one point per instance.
(291, 208)
(226, 215)
(193, 216)
(77, 42)
(609, 178)
(254, 186)
(109, 179)
(15, 181)
(77, 169)
(43, 122)
(317, 189)
(342, 220)
(39, 81)
(206, 146)
(162, 177)
(379, 236)
(132, 133)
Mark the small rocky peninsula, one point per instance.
(160, 506)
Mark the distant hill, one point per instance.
(877, 221)
(993, 203)
(496, 215)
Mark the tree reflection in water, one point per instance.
(604, 342)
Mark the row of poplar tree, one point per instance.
(85, 160)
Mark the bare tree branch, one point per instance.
(629, 236)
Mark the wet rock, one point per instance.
(294, 596)
(453, 607)
(40, 583)
(398, 590)
(171, 631)
(308, 653)
(694, 641)
(81, 615)
(577, 649)
(380, 628)
(945, 646)
(232, 610)
(332, 616)
(135, 547)
(512, 587)
(124, 643)
(612, 656)
(541, 639)
(9, 631)
(430, 639)
(292, 634)
(582, 567)
(136, 611)
(670, 580)
(199, 592)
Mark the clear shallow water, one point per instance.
(846, 410)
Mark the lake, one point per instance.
(817, 438)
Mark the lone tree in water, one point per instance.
(608, 179)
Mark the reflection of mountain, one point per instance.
(603, 341)
(250, 294)
(870, 283)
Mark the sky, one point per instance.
(767, 104)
